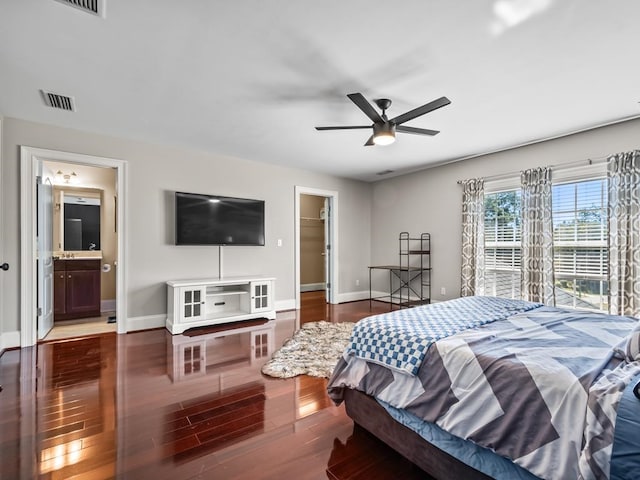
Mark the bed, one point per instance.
(485, 387)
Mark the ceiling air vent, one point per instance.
(384, 172)
(95, 7)
(55, 100)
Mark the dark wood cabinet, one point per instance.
(76, 289)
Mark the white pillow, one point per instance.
(632, 351)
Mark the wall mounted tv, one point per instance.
(215, 220)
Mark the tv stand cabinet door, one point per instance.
(261, 296)
(192, 304)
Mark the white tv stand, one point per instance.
(203, 302)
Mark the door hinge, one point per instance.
(328, 286)
(39, 311)
(328, 247)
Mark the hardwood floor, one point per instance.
(151, 405)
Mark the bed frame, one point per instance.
(370, 415)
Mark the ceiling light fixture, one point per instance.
(384, 134)
(68, 178)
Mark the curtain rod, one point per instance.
(578, 163)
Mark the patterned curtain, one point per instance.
(537, 237)
(472, 237)
(623, 174)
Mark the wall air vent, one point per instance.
(384, 172)
(55, 100)
(95, 7)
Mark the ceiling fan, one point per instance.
(384, 130)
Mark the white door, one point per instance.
(45, 258)
(327, 249)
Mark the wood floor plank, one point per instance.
(110, 406)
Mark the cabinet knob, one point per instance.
(69, 276)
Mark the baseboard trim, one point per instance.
(146, 322)
(310, 287)
(282, 305)
(9, 340)
(353, 296)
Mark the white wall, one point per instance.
(430, 200)
(426, 201)
(155, 172)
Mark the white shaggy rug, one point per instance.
(313, 350)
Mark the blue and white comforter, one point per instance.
(540, 387)
(400, 339)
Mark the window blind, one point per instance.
(580, 243)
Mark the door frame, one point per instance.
(331, 275)
(30, 159)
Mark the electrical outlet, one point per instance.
(443, 291)
(357, 283)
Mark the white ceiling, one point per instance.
(251, 78)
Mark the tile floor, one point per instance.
(80, 327)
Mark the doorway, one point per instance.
(84, 246)
(37, 301)
(316, 214)
(313, 243)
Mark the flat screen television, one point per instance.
(215, 220)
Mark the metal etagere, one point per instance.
(415, 269)
(410, 280)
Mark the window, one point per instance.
(502, 233)
(580, 243)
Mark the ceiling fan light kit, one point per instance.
(384, 130)
(384, 134)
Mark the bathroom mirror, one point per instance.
(78, 221)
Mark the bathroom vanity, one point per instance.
(76, 287)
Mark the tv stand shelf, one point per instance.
(212, 301)
(221, 293)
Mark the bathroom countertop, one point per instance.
(78, 255)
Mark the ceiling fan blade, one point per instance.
(416, 112)
(348, 127)
(369, 142)
(416, 131)
(366, 107)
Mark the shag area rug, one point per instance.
(313, 350)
